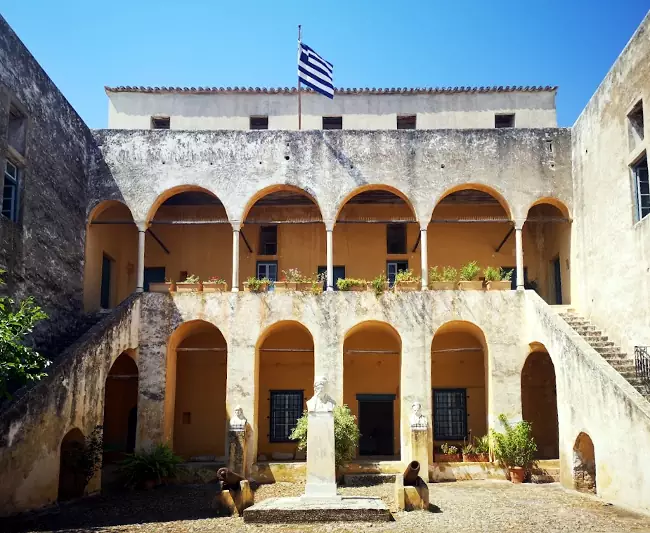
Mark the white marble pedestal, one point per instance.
(321, 469)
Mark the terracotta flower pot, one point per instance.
(263, 288)
(214, 287)
(443, 286)
(359, 288)
(189, 287)
(498, 285)
(470, 458)
(162, 287)
(407, 286)
(470, 285)
(517, 474)
(448, 458)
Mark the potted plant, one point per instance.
(515, 449)
(497, 279)
(469, 453)
(379, 284)
(316, 283)
(448, 454)
(351, 284)
(163, 286)
(468, 273)
(482, 448)
(253, 284)
(292, 280)
(191, 283)
(447, 280)
(215, 284)
(149, 468)
(405, 280)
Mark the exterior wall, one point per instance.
(611, 251)
(231, 111)
(43, 253)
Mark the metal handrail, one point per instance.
(642, 364)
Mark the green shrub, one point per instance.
(406, 275)
(379, 284)
(469, 271)
(449, 274)
(215, 279)
(506, 275)
(293, 275)
(192, 278)
(448, 449)
(345, 284)
(346, 434)
(515, 447)
(492, 274)
(157, 465)
(257, 285)
(317, 281)
(482, 444)
(434, 275)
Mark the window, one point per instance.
(268, 240)
(392, 268)
(268, 270)
(10, 192)
(449, 414)
(396, 238)
(105, 289)
(17, 129)
(642, 187)
(259, 123)
(504, 121)
(160, 123)
(406, 122)
(339, 273)
(332, 123)
(635, 125)
(286, 409)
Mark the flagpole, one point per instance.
(299, 92)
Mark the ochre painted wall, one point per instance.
(282, 371)
(539, 403)
(121, 396)
(461, 370)
(373, 373)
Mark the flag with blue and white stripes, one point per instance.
(314, 71)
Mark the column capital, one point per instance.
(424, 226)
(519, 223)
(236, 225)
(142, 226)
(329, 225)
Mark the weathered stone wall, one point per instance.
(43, 252)
(72, 396)
(595, 399)
(610, 246)
(329, 165)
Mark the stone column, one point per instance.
(142, 230)
(424, 260)
(330, 259)
(235, 259)
(152, 383)
(519, 247)
(237, 444)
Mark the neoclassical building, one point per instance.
(219, 183)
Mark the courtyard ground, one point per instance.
(470, 506)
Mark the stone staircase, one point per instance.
(623, 364)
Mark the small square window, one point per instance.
(268, 240)
(332, 123)
(642, 187)
(10, 191)
(392, 268)
(635, 125)
(504, 121)
(396, 238)
(268, 270)
(160, 123)
(449, 414)
(406, 122)
(17, 129)
(286, 409)
(259, 123)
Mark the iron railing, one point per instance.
(642, 364)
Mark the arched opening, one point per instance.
(110, 257)
(471, 222)
(458, 381)
(539, 401)
(371, 387)
(584, 464)
(195, 398)
(283, 229)
(547, 248)
(189, 234)
(285, 376)
(72, 482)
(120, 409)
(376, 231)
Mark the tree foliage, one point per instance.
(19, 362)
(515, 447)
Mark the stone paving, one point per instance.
(470, 506)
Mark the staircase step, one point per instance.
(586, 329)
(593, 336)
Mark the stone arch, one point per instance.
(459, 382)
(284, 382)
(120, 408)
(373, 187)
(110, 255)
(555, 202)
(498, 195)
(174, 191)
(372, 359)
(584, 464)
(539, 400)
(72, 483)
(195, 395)
(278, 188)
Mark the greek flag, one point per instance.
(314, 71)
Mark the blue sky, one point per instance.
(85, 45)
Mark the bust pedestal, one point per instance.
(237, 451)
(321, 469)
(420, 449)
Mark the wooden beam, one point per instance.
(505, 238)
(241, 232)
(162, 245)
(417, 243)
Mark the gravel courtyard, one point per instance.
(471, 506)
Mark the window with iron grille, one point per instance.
(396, 238)
(10, 192)
(332, 123)
(449, 414)
(642, 186)
(259, 123)
(268, 240)
(406, 122)
(286, 409)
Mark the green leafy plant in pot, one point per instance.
(497, 279)
(149, 468)
(515, 448)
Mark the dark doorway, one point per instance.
(105, 294)
(339, 273)
(376, 424)
(153, 275)
(131, 430)
(72, 482)
(557, 280)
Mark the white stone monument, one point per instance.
(321, 469)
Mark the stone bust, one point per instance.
(238, 421)
(321, 402)
(418, 420)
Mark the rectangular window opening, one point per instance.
(10, 192)
(268, 240)
(635, 125)
(396, 238)
(642, 187)
(504, 121)
(259, 123)
(160, 123)
(406, 122)
(286, 409)
(332, 123)
(268, 270)
(17, 129)
(392, 268)
(450, 414)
